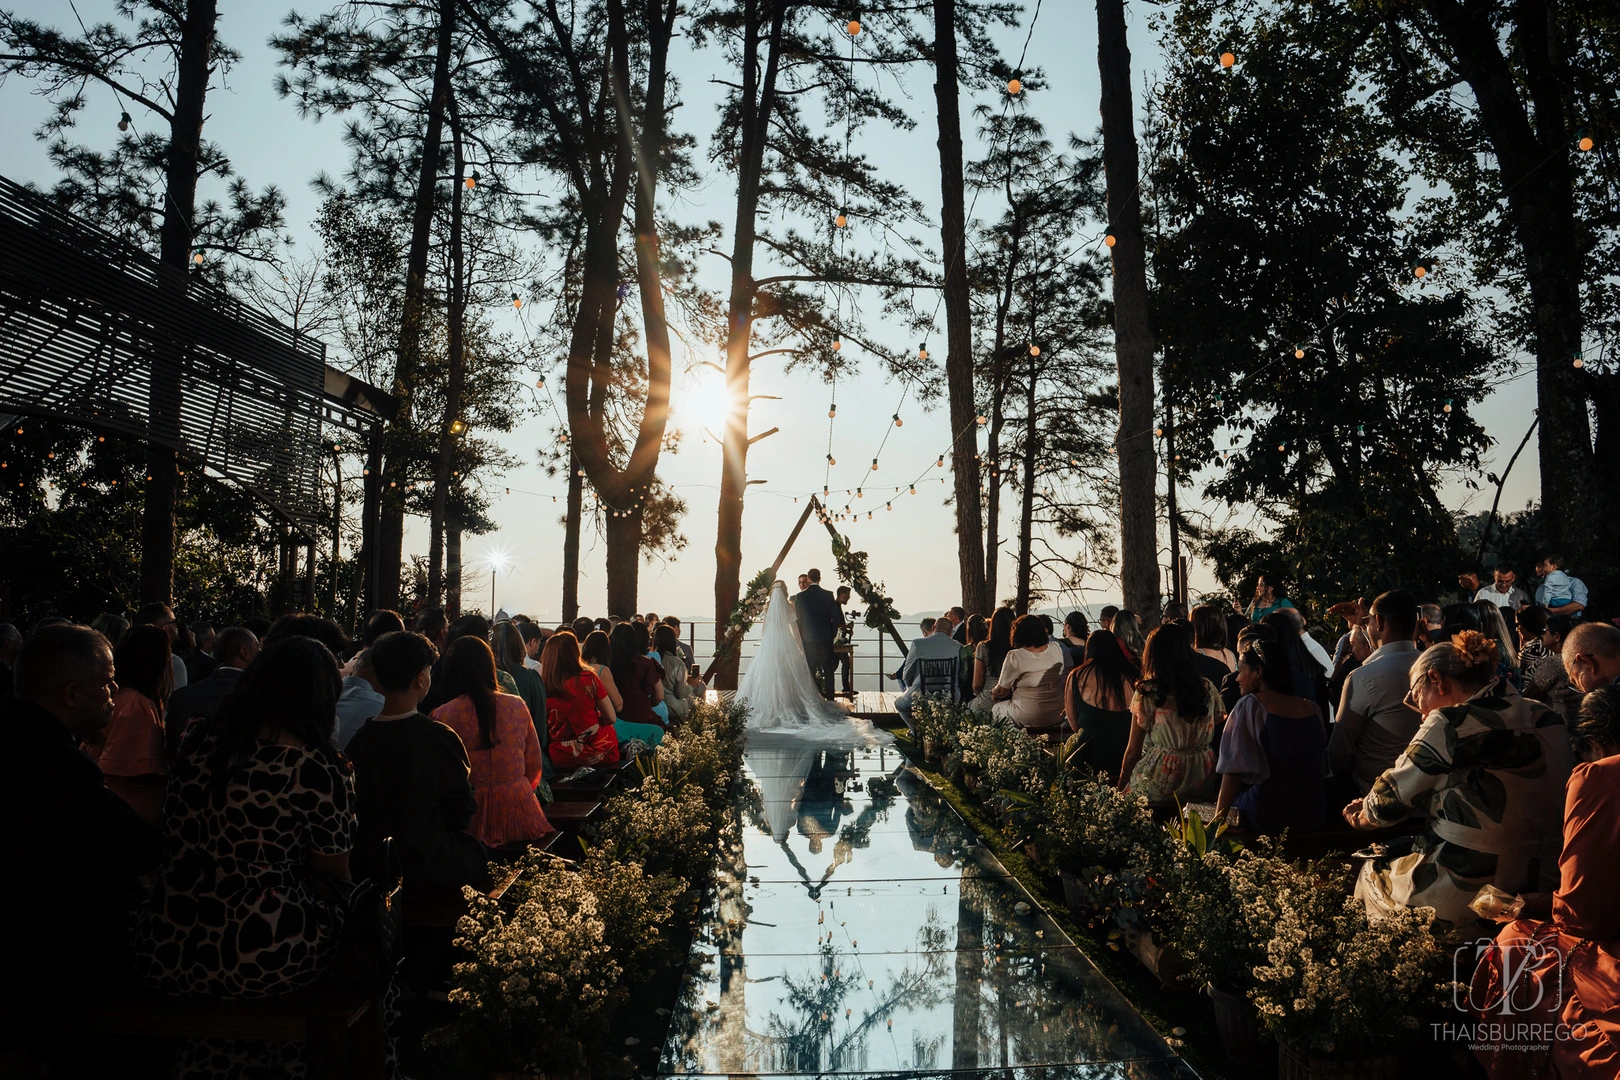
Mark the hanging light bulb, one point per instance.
(1419, 270)
(1585, 144)
(914, 489)
(898, 422)
(1227, 59)
(1361, 429)
(1158, 431)
(854, 27)
(832, 410)
(1299, 353)
(472, 181)
(841, 220)
(941, 462)
(1578, 362)
(1109, 240)
(922, 351)
(831, 460)
(860, 494)
(874, 464)
(1015, 86)
(123, 124)
(983, 420)
(1447, 406)
(517, 301)
(197, 257)
(838, 343)
(1218, 400)
(1034, 350)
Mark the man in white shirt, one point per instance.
(1504, 593)
(1374, 724)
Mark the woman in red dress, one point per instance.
(1570, 976)
(502, 744)
(579, 716)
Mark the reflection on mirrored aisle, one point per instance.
(864, 930)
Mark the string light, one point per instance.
(197, 257)
(854, 27)
(832, 410)
(1419, 270)
(983, 420)
(922, 351)
(941, 462)
(1227, 59)
(898, 422)
(1034, 350)
(1299, 353)
(1447, 407)
(831, 460)
(472, 181)
(841, 220)
(123, 124)
(874, 465)
(517, 301)
(1109, 240)
(1585, 140)
(1015, 86)
(838, 343)
(1579, 363)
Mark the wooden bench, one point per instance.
(568, 815)
(596, 785)
(342, 1033)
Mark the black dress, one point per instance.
(411, 782)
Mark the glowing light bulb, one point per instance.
(832, 410)
(874, 464)
(1585, 143)
(517, 301)
(197, 258)
(1419, 270)
(1109, 240)
(941, 462)
(1014, 87)
(1578, 363)
(1034, 350)
(898, 422)
(914, 489)
(1299, 354)
(1447, 406)
(983, 420)
(841, 220)
(1227, 59)
(922, 352)
(838, 343)
(472, 181)
(123, 124)
(1158, 431)
(854, 27)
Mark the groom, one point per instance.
(819, 620)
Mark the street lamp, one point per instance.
(498, 561)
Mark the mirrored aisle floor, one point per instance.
(869, 933)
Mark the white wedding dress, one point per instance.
(789, 722)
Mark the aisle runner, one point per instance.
(870, 933)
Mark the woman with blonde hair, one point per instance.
(1487, 768)
(1494, 626)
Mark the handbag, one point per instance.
(369, 948)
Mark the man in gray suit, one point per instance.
(819, 621)
(937, 645)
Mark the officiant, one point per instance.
(819, 619)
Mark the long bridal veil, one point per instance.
(789, 723)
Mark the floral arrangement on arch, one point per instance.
(851, 566)
(744, 615)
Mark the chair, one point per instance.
(938, 678)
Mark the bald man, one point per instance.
(1592, 655)
(73, 847)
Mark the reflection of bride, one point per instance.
(789, 723)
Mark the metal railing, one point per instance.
(875, 655)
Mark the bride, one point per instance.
(780, 692)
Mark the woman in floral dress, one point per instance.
(1487, 768)
(1174, 714)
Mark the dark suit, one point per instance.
(819, 619)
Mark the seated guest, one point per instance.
(1105, 617)
(1487, 770)
(1271, 751)
(640, 680)
(412, 778)
(506, 642)
(112, 627)
(1549, 682)
(1097, 704)
(1374, 724)
(300, 624)
(583, 627)
(1305, 669)
(989, 657)
(1209, 642)
(1073, 642)
(1494, 626)
(200, 657)
(685, 650)
(234, 650)
(642, 638)
(502, 744)
(938, 645)
(1230, 690)
(1029, 691)
(133, 750)
(678, 693)
(1126, 627)
(72, 861)
(597, 654)
(361, 698)
(533, 639)
(579, 716)
(1570, 960)
(1174, 714)
(161, 616)
(380, 622)
(1591, 653)
(1174, 611)
(260, 803)
(973, 632)
(1531, 621)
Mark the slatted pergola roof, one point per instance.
(97, 331)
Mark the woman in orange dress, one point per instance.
(132, 750)
(503, 747)
(1566, 969)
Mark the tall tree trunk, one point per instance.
(1026, 516)
(337, 532)
(1178, 587)
(977, 595)
(1532, 158)
(452, 568)
(408, 359)
(758, 102)
(197, 31)
(992, 499)
(623, 561)
(570, 560)
(455, 384)
(1133, 333)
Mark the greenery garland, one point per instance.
(743, 616)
